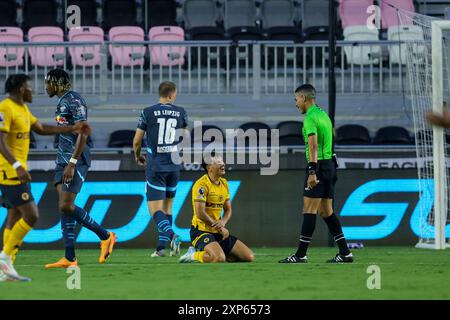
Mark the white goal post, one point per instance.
(426, 48)
(439, 159)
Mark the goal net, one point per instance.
(425, 42)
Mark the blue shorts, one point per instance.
(78, 178)
(161, 185)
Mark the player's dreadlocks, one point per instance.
(59, 78)
(15, 81)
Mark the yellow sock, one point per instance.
(18, 232)
(6, 233)
(198, 256)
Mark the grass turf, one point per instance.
(406, 273)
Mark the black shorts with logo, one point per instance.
(200, 239)
(16, 195)
(327, 176)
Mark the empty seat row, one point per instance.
(356, 13)
(290, 134)
(354, 17)
(353, 134)
(89, 55)
(39, 13)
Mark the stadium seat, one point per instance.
(278, 20)
(200, 13)
(88, 9)
(255, 126)
(201, 23)
(167, 55)
(398, 54)
(8, 13)
(290, 128)
(241, 20)
(392, 135)
(354, 12)
(201, 20)
(121, 139)
(39, 13)
(11, 56)
(315, 19)
(291, 141)
(119, 13)
(126, 55)
(352, 134)
(361, 54)
(160, 13)
(87, 56)
(290, 133)
(389, 15)
(46, 56)
(195, 141)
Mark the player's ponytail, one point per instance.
(15, 81)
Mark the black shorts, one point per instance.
(15, 196)
(200, 239)
(327, 176)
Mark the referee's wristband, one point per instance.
(312, 168)
(73, 160)
(16, 164)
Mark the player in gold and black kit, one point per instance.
(212, 241)
(16, 123)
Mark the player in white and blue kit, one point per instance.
(72, 164)
(159, 123)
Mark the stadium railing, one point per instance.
(255, 68)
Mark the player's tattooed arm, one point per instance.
(137, 146)
(22, 174)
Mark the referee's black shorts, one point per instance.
(327, 176)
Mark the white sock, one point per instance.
(3, 255)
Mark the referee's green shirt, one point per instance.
(318, 122)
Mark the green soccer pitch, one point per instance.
(406, 273)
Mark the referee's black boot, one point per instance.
(340, 258)
(294, 259)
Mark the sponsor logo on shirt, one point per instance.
(167, 149)
(201, 193)
(61, 120)
(23, 135)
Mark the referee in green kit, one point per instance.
(320, 178)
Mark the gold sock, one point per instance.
(18, 232)
(198, 256)
(6, 233)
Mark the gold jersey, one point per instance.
(214, 196)
(16, 120)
